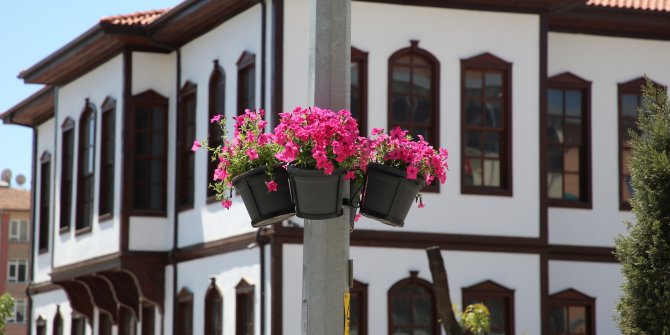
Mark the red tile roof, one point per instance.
(143, 18)
(648, 5)
(14, 199)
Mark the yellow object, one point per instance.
(347, 312)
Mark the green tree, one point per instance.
(644, 253)
(6, 310)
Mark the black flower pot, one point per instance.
(265, 207)
(388, 194)
(315, 195)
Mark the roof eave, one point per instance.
(33, 110)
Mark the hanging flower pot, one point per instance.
(389, 194)
(264, 206)
(316, 196)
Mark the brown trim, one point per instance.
(79, 297)
(486, 62)
(87, 119)
(107, 159)
(361, 289)
(126, 176)
(185, 163)
(582, 253)
(103, 294)
(83, 231)
(543, 210)
(412, 280)
(569, 81)
(44, 223)
(184, 305)
(277, 70)
(246, 69)
(213, 315)
(277, 280)
(33, 110)
(244, 308)
(222, 246)
(216, 106)
(361, 57)
(66, 174)
(43, 287)
(572, 297)
(490, 290)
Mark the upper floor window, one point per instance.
(18, 230)
(571, 313)
(18, 270)
(78, 325)
(107, 157)
(45, 202)
(246, 82)
(148, 320)
(184, 312)
(486, 140)
(149, 153)
(213, 310)
(67, 162)
(244, 308)
(19, 315)
(630, 99)
(500, 302)
(412, 307)
(359, 88)
(185, 138)
(217, 106)
(568, 141)
(85, 182)
(358, 312)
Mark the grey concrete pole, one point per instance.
(326, 242)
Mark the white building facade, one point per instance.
(531, 98)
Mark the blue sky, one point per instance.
(30, 30)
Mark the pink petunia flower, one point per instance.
(272, 186)
(196, 146)
(350, 175)
(220, 174)
(227, 203)
(216, 118)
(252, 154)
(411, 172)
(357, 217)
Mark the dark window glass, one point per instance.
(630, 98)
(85, 185)
(185, 318)
(41, 329)
(217, 96)
(58, 323)
(246, 83)
(45, 205)
(358, 321)
(244, 309)
(186, 136)
(127, 322)
(213, 312)
(359, 73)
(412, 308)
(571, 313)
(78, 326)
(66, 178)
(104, 324)
(148, 322)
(107, 159)
(500, 302)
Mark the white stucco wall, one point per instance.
(225, 43)
(601, 281)
(606, 62)
(45, 143)
(96, 85)
(441, 32)
(373, 266)
(46, 304)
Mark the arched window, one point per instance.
(358, 304)
(630, 99)
(57, 328)
(45, 202)
(413, 98)
(184, 312)
(246, 82)
(185, 138)
(359, 88)
(486, 135)
(500, 302)
(86, 175)
(571, 313)
(244, 308)
(40, 326)
(213, 310)
(217, 106)
(107, 157)
(412, 307)
(67, 162)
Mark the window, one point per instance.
(213, 310)
(412, 307)
(86, 174)
(40, 326)
(185, 138)
(66, 174)
(148, 320)
(18, 270)
(19, 313)
(149, 154)
(104, 324)
(217, 106)
(78, 324)
(127, 322)
(184, 312)
(500, 302)
(18, 230)
(358, 303)
(630, 98)
(246, 82)
(107, 147)
(571, 313)
(45, 202)
(244, 308)
(486, 148)
(58, 323)
(568, 141)
(359, 88)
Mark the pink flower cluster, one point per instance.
(317, 138)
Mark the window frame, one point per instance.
(487, 62)
(414, 51)
(107, 159)
(18, 304)
(185, 156)
(218, 77)
(45, 203)
(489, 290)
(361, 289)
(148, 99)
(87, 119)
(246, 64)
(16, 264)
(572, 297)
(361, 57)
(184, 304)
(413, 280)
(569, 81)
(213, 303)
(16, 225)
(66, 175)
(244, 290)
(40, 326)
(78, 324)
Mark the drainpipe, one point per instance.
(263, 53)
(31, 277)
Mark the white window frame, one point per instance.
(17, 264)
(18, 304)
(15, 229)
